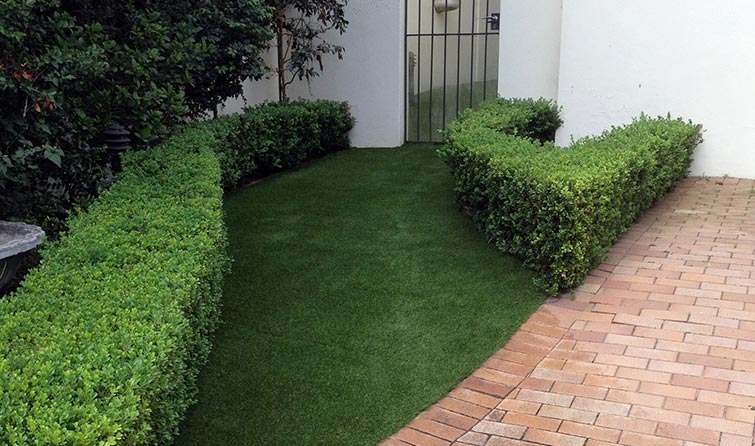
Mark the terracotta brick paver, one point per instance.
(656, 348)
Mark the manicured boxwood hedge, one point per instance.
(272, 137)
(334, 121)
(560, 210)
(102, 343)
(528, 118)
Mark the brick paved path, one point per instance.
(656, 348)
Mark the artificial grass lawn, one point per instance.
(359, 296)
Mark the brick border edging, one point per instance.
(656, 347)
(477, 397)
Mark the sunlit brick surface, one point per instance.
(656, 348)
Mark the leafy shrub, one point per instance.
(335, 122)
(272, 137)
(528, 118)
(70, 68)
(102, 343)
(277, 136)
(176, 57)
(225, 129)
(560, 210)
(47, 65)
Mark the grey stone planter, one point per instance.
(16, 239)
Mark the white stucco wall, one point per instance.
(529, 48)
(692, 58)
(371, 75)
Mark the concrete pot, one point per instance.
(16, 239)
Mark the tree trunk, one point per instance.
(280, 17)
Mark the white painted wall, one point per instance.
(692, 58)
(529, 48)
(371, 75)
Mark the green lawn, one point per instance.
(359, 296)
(428, 133)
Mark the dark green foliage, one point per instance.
(102, 343)
(560, 210)
(70, 68)
(232, 167)
(48, 63)
(527, 118)
(235, 33)
(277, 136)
(359, 296)
(202, 50)
(334, 120)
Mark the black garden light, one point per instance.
(118, 140)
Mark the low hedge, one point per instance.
(528, 118)
(102, 343)
(272, 137)
(334, 121)
(560, 210)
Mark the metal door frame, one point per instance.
(432, 35)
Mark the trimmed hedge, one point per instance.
(71, 68)
(271, 137)
(334, 120)
(231, 164)
(102, 343)
(528, 118)
(560, 210)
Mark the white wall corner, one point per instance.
(618, 61)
